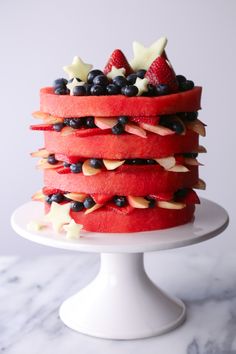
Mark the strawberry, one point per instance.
(120, 210)
(160, 72)
(49, 191)
(179, 160)
(63, 170)
(41, 127)
(90, 132)
(101, 198)
(191, 197)
(118, 60)
(148, 120)
(69, 159)
(167, 196)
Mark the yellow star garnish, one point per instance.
(143, 57)
(142, 85)
(73, 84)
(78, 69)
(116, 72)
(58, 215)
(73, 230)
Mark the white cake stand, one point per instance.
(122, 302)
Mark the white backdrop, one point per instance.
(38, 37)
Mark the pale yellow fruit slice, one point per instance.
(178, 168)
(89, 170)
(170, 205)
(166, 162)
(95, 207)
(113, 164)
(77, 197)
(138, 202)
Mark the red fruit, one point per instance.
(126, 180)
(108, 219)
(147, 120)
(118, 60)
(101, 198)
(120, 210)
(67, 106)
(166, 196)
(66, 158)
(190, 198)
(160, 72)
(121, 147)
(48, 190)
(179, 160)
(41, 127)
(63, 170)
(91, 132)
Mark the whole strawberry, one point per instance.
(118, 60)
(160, 72)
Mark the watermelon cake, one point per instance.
(121, 144)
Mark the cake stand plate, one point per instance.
(122, 302)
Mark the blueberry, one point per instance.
(192, 155)
(186, 85)
(58, 126)
(61, 90)
(151, 162)
(96, 163)
(48, 199)
(135, 162)
(123, 119)
(181, 193)
(66, 164)
(60, 83)
(191, 116)
(132, 78)
(119, 201)
(177, 127)
(101, 80)
(79, 91)
(98, 90)
(87, 89)
(57, 198)
(92, 74)
(76, 123)
(118, 129)
(76, 206)
(152, 91)
(89, 202)
(67, 121)
(52, 160)
(113, 89)
(129, 90)
(162, 89)
(76, 167)
(152, 202)
(120, 81)
(180, 79)
(141, 73)
(89, 122)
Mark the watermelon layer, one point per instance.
(109, 146)
(127, 180)
(67, 106)
(105, 220)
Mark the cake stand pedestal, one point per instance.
(122, 302)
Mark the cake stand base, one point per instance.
(122, 302)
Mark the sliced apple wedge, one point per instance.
(40, 153)
(135, 129)
(158, 129)
(192, 162)
(113, 164)
(170, 205)
(67, 131)
(88, 170)
(38, 196)
(95, 207)
(77, 197)
(178, 168)
(138, 202)
(201, 149)
(53, 120)
(166, 162)
(40, 115)
(105, 123)
(200, 184)
(197, 126)
(43, 164)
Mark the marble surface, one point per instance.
(31, 291)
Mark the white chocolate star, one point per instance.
(78, 69)
(116, 72)
(58, 215)
(142, 85)
(71, 85)
(143, 57)
(73, 230)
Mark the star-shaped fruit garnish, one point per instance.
(143, 57)
(73, 230)
(71, 85)
(142, 85)
(78, 69)
(116, 72)
(58, 215)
